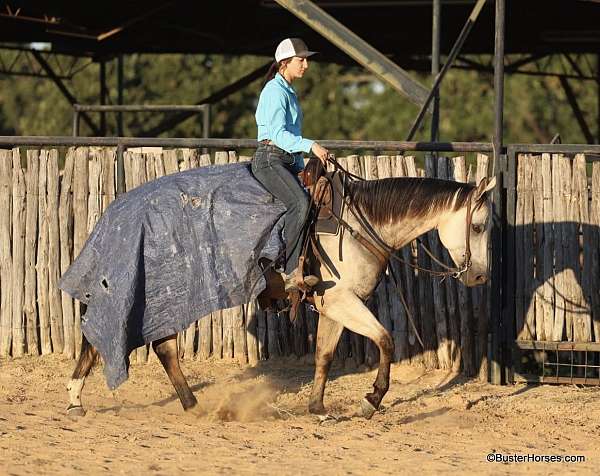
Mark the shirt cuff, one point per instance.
(306, 145)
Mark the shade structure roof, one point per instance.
(400, 29)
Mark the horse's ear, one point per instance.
(485, 185)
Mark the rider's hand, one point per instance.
(321, 152)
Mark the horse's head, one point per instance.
(453, 233)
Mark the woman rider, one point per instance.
(279, 158)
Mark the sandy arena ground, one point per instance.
(257, 422)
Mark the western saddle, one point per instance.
(327, 190)
(327, 195)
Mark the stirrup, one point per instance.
(296, 282)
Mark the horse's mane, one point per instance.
(391, 199)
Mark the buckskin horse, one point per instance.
(379, 217)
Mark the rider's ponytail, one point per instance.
(274, 69)
(271, 73)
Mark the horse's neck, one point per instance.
(404, 231)
(399, 233)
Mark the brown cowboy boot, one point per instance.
(296, 282)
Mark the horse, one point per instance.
(380, 217)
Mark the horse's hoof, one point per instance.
(367, 410)
(75, 410)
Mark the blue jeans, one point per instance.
(272, 167)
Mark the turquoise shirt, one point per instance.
(279, 119)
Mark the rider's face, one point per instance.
(295, 68)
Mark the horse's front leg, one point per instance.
(328, 334)
(349, 311)
(166, 349)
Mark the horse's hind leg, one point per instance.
(87, 358)
(166, 349)
(328, 334)
(349, 310)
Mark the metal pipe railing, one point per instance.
(241, 143)
(79, 109)
(138, 108)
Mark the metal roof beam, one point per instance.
(132, 21)
(572, 98)
(514, 66)
(447, 65)
(357, 49)
(63, 89)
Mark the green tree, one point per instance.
(339, 102)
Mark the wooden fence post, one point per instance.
(538, 227)
(579, 216)
(545, 267)
(263, 347)
(18, 256)
(523, 236)
(108, 158)
(595, 238)
(80, 222)
(558, 206)
(55, 305)
(42, 256)
(30, 304)
(6, 288)
(252, 312)
(65, 213)
(272, 331)
(480, 297)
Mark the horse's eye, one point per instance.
(477, 228)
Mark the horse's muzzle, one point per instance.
(474, 277)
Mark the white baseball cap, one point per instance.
(291, 47)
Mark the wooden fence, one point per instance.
(557, 227)
(47, 212)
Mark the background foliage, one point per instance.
(338, 102)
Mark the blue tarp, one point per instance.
(169, 252)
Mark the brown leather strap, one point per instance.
(381, 255)
(449, 271)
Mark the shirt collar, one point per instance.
(281, 80)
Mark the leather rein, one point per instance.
(383, 251)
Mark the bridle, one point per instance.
(383, 251)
